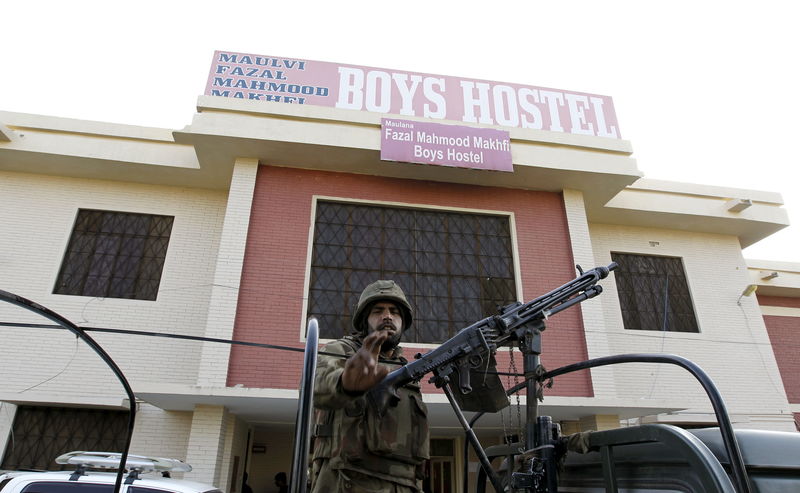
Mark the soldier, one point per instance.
(357, 449)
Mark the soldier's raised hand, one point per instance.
(362, 370)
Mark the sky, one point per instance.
(705, 91)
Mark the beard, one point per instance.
(391, 342)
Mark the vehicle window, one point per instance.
(142, 489)
(67, 487)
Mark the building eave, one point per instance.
(697, 208)
(280, 405)
(105, 151)
(775, 278)
(348, 141)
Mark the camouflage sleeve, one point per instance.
(328, 392)
(579, 442)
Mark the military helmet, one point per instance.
(383, 290)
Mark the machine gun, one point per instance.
(472, 349)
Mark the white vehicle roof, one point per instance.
(137, 466)
(16, 482)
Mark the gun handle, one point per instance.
(464, 382)
(385, 394)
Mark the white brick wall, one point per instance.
(732, 347)
(161, 433)
(206, 447)
(37, 213)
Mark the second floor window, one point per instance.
(454, 267)
(653, 293)
(115, 255)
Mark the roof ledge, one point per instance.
(751, 215)
(6, 134)
(775, 278)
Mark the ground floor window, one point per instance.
(41, 433)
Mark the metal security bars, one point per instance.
(454, 267)
(115, 255)
(653, 293)
(41, 433)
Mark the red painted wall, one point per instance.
(271, 296)
(784, 334)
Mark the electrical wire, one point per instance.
(180, 336)
(71, 359)
(628, 334)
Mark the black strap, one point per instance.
(323, 430)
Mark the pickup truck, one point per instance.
(664, 458)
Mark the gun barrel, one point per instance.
(604, 271)
(550, 303)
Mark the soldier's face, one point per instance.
(385, 315)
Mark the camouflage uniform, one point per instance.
(355, 450)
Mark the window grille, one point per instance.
(454, 267)
(653, 293)
(41, 433)
(115, 255)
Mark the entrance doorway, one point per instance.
(441, 471)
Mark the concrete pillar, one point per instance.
(213, 368)
(595, 332)
(599, 422)
(206, 449)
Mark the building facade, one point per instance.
(257, 215)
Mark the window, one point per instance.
(653, 293)
(454, 267)
(66, 487)
(43, 433)
(115, 255)
(144, 489)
